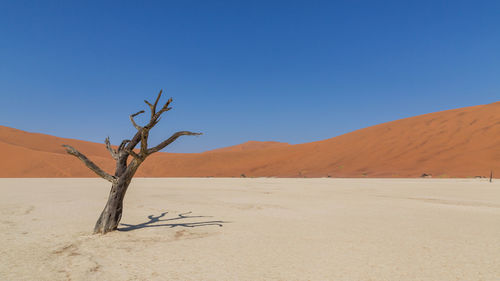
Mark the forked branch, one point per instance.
(133, 122)
(153, 106)
(89, 164)
(122, 145)
(135, 155)
(113, 152)
(142, 134)
(165, 107)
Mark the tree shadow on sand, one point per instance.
(153, 220)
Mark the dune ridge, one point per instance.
(462, 142)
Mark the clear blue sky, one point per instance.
(291, 71)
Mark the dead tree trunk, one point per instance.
(125, 170)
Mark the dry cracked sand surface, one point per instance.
(253, 229)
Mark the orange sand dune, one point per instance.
(462, 142)
(249, 145)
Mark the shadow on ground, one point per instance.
(177, 222)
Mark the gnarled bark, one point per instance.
(124, 172)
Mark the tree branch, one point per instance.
(165, 107)
(144, 141)
(153, 106)
(89, 164)
(133, 122)
(143, 132)
(122, 145)
(135, 155)
(135, 140)
(157, 99)
(171, 140)
(113, 152)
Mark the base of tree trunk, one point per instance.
(108, 221)
(112, 213)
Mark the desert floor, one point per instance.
(253, 229)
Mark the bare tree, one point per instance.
(125, 170)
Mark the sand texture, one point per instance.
(463, 143)
(253, 229)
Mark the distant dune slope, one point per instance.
(249, 145)
(462, 142)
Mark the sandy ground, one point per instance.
(253, 229)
